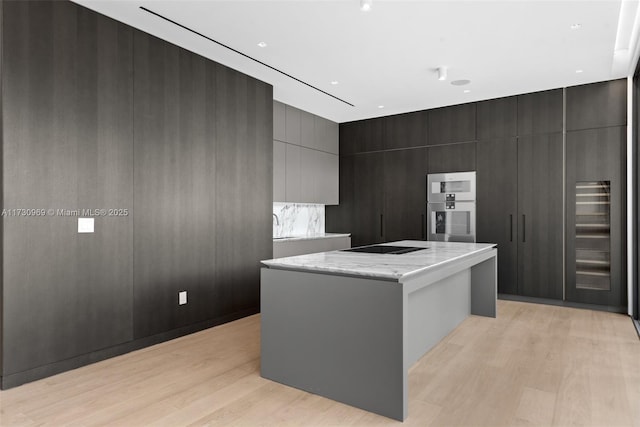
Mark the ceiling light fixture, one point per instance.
(365, 5)
(442, 73)
(576, 26)
(262, 44)
(460, 82)
(380, 106)
(578, 71)
(334, 82)
(467, 90)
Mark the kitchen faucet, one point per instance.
(277, 220)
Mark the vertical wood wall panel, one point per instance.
(244, 169)
(67, 98)
(93, 122)
(175, 180)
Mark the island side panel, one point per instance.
(484, 287)
(336, 336)
(436, 310)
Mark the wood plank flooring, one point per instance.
(534, 365)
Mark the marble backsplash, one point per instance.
(298, 219)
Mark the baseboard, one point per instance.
(19, 378)
(549, 301)
(637, 325)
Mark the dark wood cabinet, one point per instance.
(497, 205)
(360, 211)
(540, 112)
(452, 158)
(593, 156)
(382, 197)
(597, 105)
(361, 136)
(368, 199)
(516, 146)
(405, 177)
(405, 130)
(452, 124)
(540, 216)
(348, 138)
(497, 118)
(67, 127)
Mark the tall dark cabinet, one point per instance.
(497, 205)
(497, 185)
(404, 194)
(596, 204)
(382, 193)
(596, 189)
(368, 198)
(540, 216)
(529, 152)
(520, 205)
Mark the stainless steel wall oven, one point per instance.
(451, 207)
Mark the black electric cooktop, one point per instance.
(384, 249)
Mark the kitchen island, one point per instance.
(349, 325)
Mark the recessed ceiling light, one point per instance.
(262, 44)
(460, 82)
(380, 106)
(334, 82)
(467, 90)
(576, 26)
(578, 71)
(365, 5)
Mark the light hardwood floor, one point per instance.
(532, 365)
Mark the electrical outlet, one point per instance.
(182, 297)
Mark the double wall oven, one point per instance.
(451, 207)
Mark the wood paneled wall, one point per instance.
(99, 115)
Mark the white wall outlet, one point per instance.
(85, 225)
(182, 297)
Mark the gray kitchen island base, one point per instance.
(353, 339)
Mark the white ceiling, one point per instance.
(389, 56)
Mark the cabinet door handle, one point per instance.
(511, 227)
(524, 228)
(381, 229)
(422, 223)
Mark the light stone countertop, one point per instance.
(311, 237)
(387, 266)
